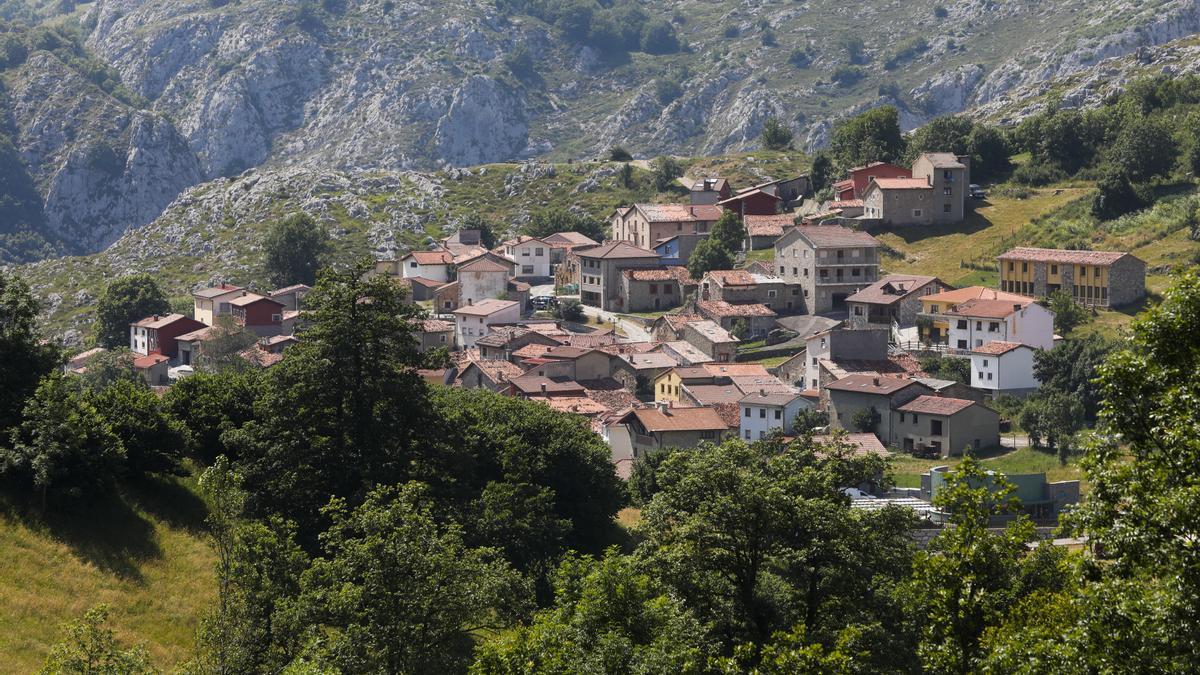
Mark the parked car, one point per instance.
(543, 301)
(976, 192)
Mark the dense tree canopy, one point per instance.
(124, 301)
(709, 255)
(24, 359)
(873, 136)
(295, 248)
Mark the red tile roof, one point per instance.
(1066, 257)
(989, 309)
(143, 362)
(891, 289)
(679, 419)
(427, 283)
(902, 184)
(497, 370)
(486, 307)
(846, 204)
(261, 357)
(871, 384)
(736, 369)
(768, 226)
(439, 257)
(436, 326)
(823, 236)
(720, 308)
(484, 264)
(650, 275)
(935, 405)
(998, 347)
(214, 291)
(732, 277)
(617, 250)
(570, 239)
(863, 444)
(670, 213)
(536, 384)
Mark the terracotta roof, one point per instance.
(670, 213)
(261, 357)
(610, 392)
(902, 184)
(649, 274)
(438, 257)
(486, 307)
(844, 184)
(973, 293)
(568, 352)
(720, 308)
(252, 298)
(732, 277)
(936, 405)
(591, 340)
(618, 348)
(757, 383)
(846, 204)
(1063, 256)
(989, 309)
(617, 250)
(871, 384)
(427, 283)
(529, 351)
(143, 362)
(214, 291)
(502, 335)
(998, 347)
(679, 419)
(890, 289)
(824, 236)
(736, 369)
(863, 444)
(698, 372)
(768, 226)
(576, 405)
(157, 321)
(483, 264)
(436, 326)
(731, 414)
(570, 239)
(497, 370)
(943, 160)
(676, 321)
(463, 253)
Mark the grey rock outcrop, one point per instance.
(485, 123)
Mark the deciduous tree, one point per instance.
(24, 358)
(294, 249)
(124, 301)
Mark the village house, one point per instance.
(719, 344)
(278, 344)
(752, 202)
(485, 277)
(848, 396)
(156, 334)
(531, 385)
(420, 288)
(209, 303)
(644, 290)
(258, 314)
(191, 344)
(601, 272)
(952, 389)
(638, 371)
(714, 383)
(683, 352)
(677, 250)
(758, 319)
(503, 341)
(1001, 367)
(763, 230)
(739, 287)
(828, 262)
(967, 318)
(576, 363)
(644, 225)
(893, 300)
(436, 265)
(709, 191)
(77, 365)
(670, 326)
(859, 179)
(789, 190)
(463, 241)
(662, 427)
(562, 243)
(474, 321)
(764, 413)
(847, 208)
(292, 296)
(842, 344)
(493, 375)
(936, 193)
(1094, 278)
(531, 255)
(434, 333)
(946, 426)
(154, 368)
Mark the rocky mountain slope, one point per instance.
(221, 86)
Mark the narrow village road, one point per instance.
(632, 329)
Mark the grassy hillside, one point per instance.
(142, 553)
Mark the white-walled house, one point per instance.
(975, 323)
(434, 265)
(532, 256)
(1001, 367)
(765, 411)
(210, 303)
(474, 321)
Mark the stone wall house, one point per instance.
(601, 272)
(945, 425)
(894, 299)
(846, 397)
(739, 287)
(842, 344)
(900, 201)
(484, 277)
(829, 263)
(1094, 278)
(645, 290)
(762, 231)
(860, 177)
(435, 333)
(950, 177)
(677, 250)
(708, 191)
(670, 326)
(719, 344)
(493, 375)
(759, 319)
(644, 225)
(475, 320)
(795, 370)
(502, 341)
(666, 427)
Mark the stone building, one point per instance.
(894, 299)
(829, 263)
(1094, 278)
(600, 272)
(644, 225)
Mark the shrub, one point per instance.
(519, 62)
(658, 37)
(570, 310)
(775, 135)
(1037, 174)
(732, 32)
(940, 12)
(847, 76)
(800, 58)
(667, 90)
(619, 154)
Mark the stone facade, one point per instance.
(1094, 278)
(828, 263)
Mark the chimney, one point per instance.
(876, 380)
(762, 392)
(1016, 307)
(543, 389)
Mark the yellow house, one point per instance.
(935, 306)
(209, 303)
(1093, 278)
(669, 384)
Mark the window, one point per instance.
(762, 413)
(814, 361)
(525, 252)
(795, 271)
(770, 294)
(989, 377)
(781, 270)
(1011, 265)
(993, 327)
(539, 251)
(276, 317)
(761, 434)
(854, 272)
(1053, 268)
(947, 191)
(962, 344)
(747, 434)
(947, 175)
(824, 274)
(1024, 267)
(443, 337)
(979, 343)
(857, 310)
(778, 414)
(413, 264)
(962, 323)
(914, 421)
(981, 374)
(917, 213)
(814, 384)
(747, 412)
(653, 289)
(823, 343)
(902, 418)
(856, 253)
(805, 272)
(935, 427)
(978, 325)
(985, 363)
(946, 208)
(526, 269)
(667, 290)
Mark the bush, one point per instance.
(619, 154)
(847, 76)
(1037, 174)
(1116, 195)
(570, 310)
(940, 12)
(775, 136)
(665, 170)
(659, 37)
(906, 50)
(800, 58)
(519, 62)
(732, 32)
(667, 90)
